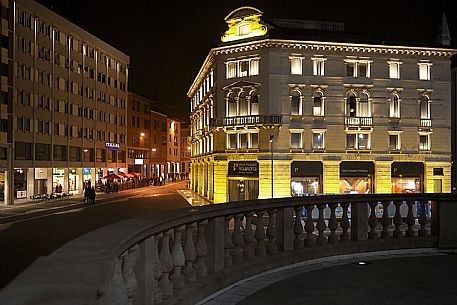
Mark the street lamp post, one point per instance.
(272, 173)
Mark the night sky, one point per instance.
(168, 40)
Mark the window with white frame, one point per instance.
(254, 102)
(424, 141)
(358, 141)
(394, 141)
(318, 66)
(424, 70)
(242, 67)
(244, 29)
(318, 103)
(351, 105)
(295, 102)
(424, 105)
(231, 105)
(242, 103)
(246, 140)
(394, 106)
(296, 139)
(318, 139)
(357, 68)
(363, 107)
(296, 65)
(394, 69)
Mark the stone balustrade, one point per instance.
(183, 256)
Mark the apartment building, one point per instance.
(64, 104)
(173, 149)
(185, 150)
(147, 131)
(277, 115)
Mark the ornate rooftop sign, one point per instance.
(244, 22)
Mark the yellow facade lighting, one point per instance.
(244, 22)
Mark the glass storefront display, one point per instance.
(356, 177)
(407, 177)
(20, 183)
(87, 177)
(73, 180)
(58, 180)
(305, 178)
(243, 180)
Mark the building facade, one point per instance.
(273, 115)
(173, 149)
(66, 94)
(185, 151)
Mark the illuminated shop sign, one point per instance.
(112, 146)
(138, 161)
(356, 169)
(407, 169)
(87, 171)
(306, 169)
(243, 169)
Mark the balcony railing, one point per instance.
(359, 121)
(427, 123)
(181, 257)
(246, 120)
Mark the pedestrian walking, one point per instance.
(86, 195)
(92, 195)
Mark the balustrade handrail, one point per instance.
(246, 120)
(102, 266)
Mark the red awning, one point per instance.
(135, 174)
(113, 176)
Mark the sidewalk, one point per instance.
(194, 198)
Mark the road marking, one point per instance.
(69, 211)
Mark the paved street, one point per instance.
(34, 230)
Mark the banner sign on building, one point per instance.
(356, 169)
(112, 146)
(306, 169)
(87, 171)
(243, 169)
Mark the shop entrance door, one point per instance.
(437, 186)
(243, 190)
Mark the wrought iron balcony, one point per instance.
(359, 121)
(246, 120)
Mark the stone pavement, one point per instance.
(416, 276)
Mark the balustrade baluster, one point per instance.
(373, 221)
(422, 219)
(344, 223)
(228, 243)
(177, 253)
(321, 239)
(237, 239)
(260, 249)
(157, 272)
(128, 272)
(202, 251)
(385, 234)
(410, 219)
(298, 228)
(332, 224)
(272, 247)
(190, 254)
(398, 221)
(309, 226)
(167, 265)
(249, 249)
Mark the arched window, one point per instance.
(318, 103)
(295, 103)
(364, 109)
(254, 103)
(231, 105)
(242, 104)
(395, 106)
(351, 105)
(425, 107)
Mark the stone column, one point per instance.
(331, 176)
(66, 184)
(211, 180)
(30, 172)
(220, 181)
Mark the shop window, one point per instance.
(296, 65)
(295, 140)
(394, 142)
(395, 106)
(424, 142)
(295, 103)
(318, 140)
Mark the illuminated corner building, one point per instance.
(173, 149)
(66, 94)
(146, 139)
(290, 107)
